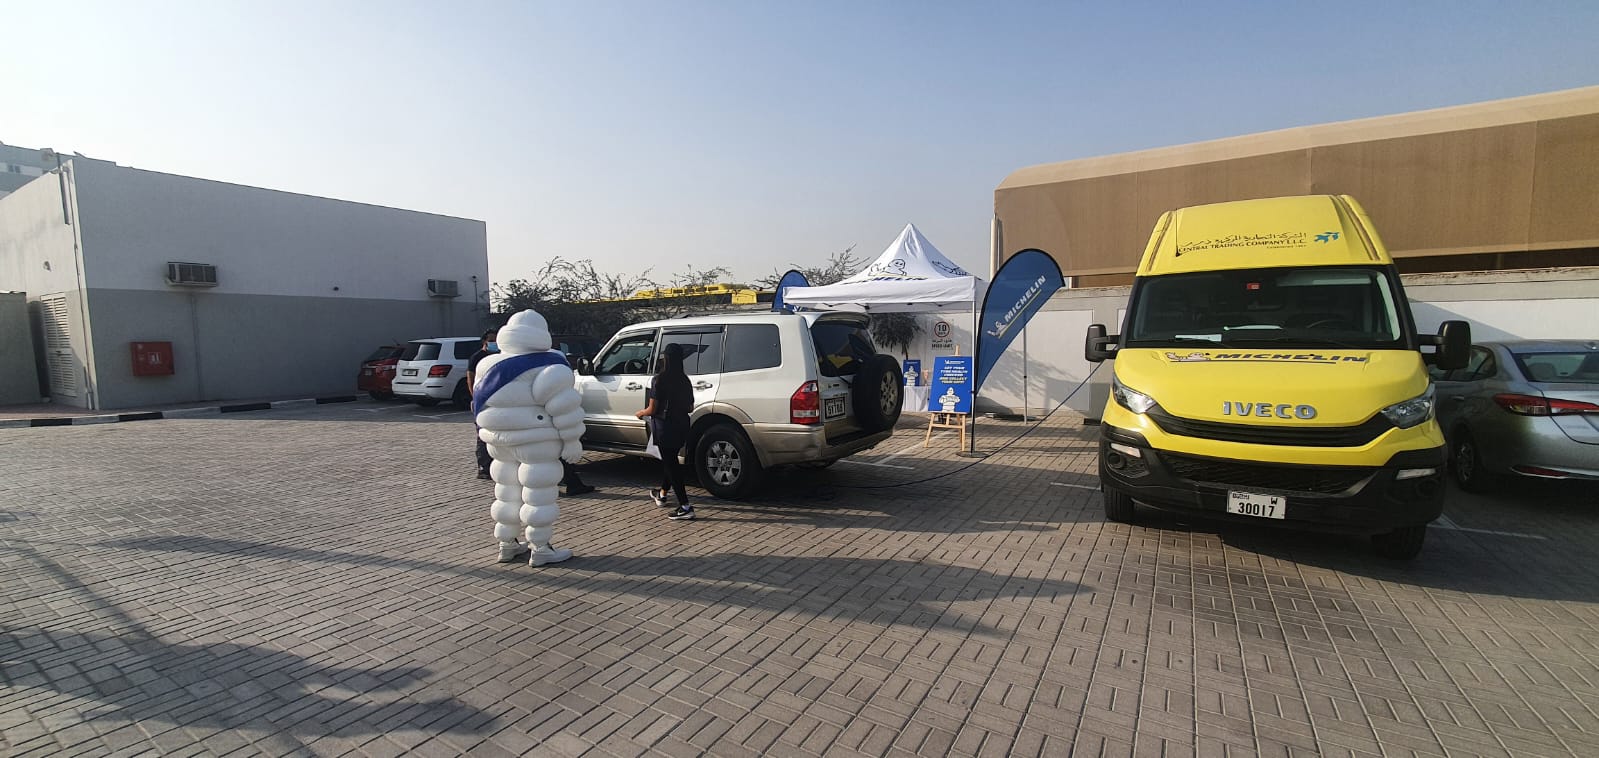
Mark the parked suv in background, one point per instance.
(434, 370)
(770, 389)
(377, 372)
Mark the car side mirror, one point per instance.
(1098, 346)
(1454, 345)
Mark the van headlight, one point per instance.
(1129, 398)
(1412, 412)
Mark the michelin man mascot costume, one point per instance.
(531, 417)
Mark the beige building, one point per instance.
(1508, 184)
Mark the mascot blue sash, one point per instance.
(506, 371)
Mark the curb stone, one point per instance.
(197, 412)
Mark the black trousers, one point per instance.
(673, 433)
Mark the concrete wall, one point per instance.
(19, 375)
(228, 347)
(39, 256)
(1539, 304)
(265, 242)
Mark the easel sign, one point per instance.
(949, 398)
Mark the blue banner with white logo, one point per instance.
(1019, 289)
(791, 279)
(951, 388)
(912, 371)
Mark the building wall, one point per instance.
(266, 242)
(306, 286)
(241, 346)
(19, 375)
(1511, 178)
(39, 257)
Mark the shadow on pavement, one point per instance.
(887, 591)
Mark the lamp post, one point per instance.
(47, 155)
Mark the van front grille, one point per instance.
(1264, 434)
(1324, 481)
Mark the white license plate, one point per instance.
(409, 372)
(1251, 504)
(833, 407)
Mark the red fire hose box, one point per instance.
(152, 358)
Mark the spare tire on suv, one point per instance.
(878, 393)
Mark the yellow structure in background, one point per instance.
(727, 294)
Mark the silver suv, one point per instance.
(770, 389)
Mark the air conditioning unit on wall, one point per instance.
(443, 288)
(191, 274)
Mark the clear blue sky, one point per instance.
(742, 134)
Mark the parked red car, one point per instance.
(377, 372)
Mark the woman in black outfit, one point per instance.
(671, 399)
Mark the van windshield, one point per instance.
(1306, 307)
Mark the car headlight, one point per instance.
(1411, 412)
(1129, 398)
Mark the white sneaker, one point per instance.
(659, 496)
(550, 554)
(510, 551)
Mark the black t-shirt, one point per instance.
(471, 363)
(674, 396)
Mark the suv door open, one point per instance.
(614, 390)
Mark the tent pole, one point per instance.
(1025, 404)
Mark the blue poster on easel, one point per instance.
(951, 388)
(913, 372)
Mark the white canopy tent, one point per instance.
(911, 275)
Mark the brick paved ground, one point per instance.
(321, 582)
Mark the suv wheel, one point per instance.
(462, 397)
(879, 393)
(726, 463)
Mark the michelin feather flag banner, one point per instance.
(791, 279)
(1020, 288)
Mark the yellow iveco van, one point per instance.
(1268, 370)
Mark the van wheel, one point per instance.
(879, 393)
(1118, 506)
(1465, 464)
(726, 463)
(1401, 544)
(462, 397)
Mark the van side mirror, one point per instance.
(584, 366)
(1454, 345)
(1099, 347)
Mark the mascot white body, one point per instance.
(530, 415)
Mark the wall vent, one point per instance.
(443, 288)
(191, 274)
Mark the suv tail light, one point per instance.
(805, 406)
(438, 371)
(1530, 405)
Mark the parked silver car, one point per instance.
(1522, 408)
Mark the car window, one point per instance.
(630, 354)
(421, 351)
(841, 347)
(465, 349)
(702, 348)
(1480, 366)
(1562, 367)
(752, 346)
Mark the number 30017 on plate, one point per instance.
(1251, 504)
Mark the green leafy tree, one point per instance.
(895, 330)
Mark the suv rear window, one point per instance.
(421, 351)
(465, 349)
(752, 346)
(841, 347)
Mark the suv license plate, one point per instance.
(833, 407)
(1251, 504)
(409, 372)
